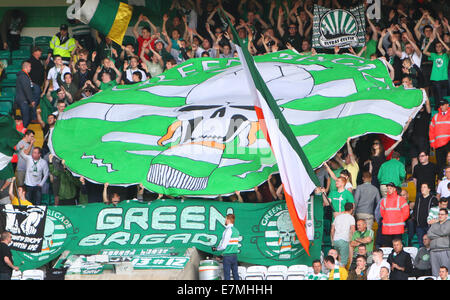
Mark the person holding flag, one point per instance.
(9, 137)
(298, 178)
(229, 246)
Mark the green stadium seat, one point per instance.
(45, 49)
(6, 102)
(11, 72)
(42, 40)
(433, 111)
(20, 53)
(26, 40)
(5, 107)
(9, 82)
(17, 56)
(8, 91)
(26, 47)
(5, 55)
(7, 94)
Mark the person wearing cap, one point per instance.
(433, 214)
(391, 171)
(395, 211)
(439, 132)
(62, 44)
(162, 49)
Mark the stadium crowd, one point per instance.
(361, 185)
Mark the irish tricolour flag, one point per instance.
(109, 17)
(297, 175)
(9, 137)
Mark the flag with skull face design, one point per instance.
(297, 175)
(193, 130)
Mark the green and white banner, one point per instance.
(158, 258)
(143, 230)
(9, 137)
(193, 130)
(339, 27)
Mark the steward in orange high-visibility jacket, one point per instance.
(395, 211)
(440, 129)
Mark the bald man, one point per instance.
(24, 94)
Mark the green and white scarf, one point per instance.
(336, 274)
(319, 276)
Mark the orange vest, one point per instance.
(394, 211)
(440, 129)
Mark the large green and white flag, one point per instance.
(193, 130)
(9, 137)
(338, 27)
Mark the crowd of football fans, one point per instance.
(365, 187)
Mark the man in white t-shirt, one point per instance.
(342, 231)
(413, 53)
(442, 190)
(134, 63)
(58, 70)
(206, 47)
(378, 262)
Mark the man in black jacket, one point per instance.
(37, 75)
(24, 96)
(424, 201)
(400, 261)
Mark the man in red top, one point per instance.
(440, 133)
(146, 34)
(395, 211)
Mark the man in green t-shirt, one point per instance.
(106, 82)
(340, 197)
(371, 41)
(331, 185)
(439, 72)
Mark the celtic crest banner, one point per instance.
(338, 27)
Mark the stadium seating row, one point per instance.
(28, 275)
(411, 250)
(277, 272)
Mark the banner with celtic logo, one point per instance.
(267, 234)
(339, 27)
